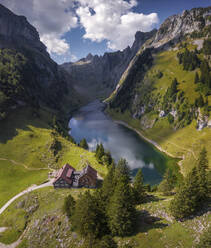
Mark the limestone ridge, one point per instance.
(173, 29)
(176, 26)
(102, 73)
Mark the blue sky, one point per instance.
(73, 28)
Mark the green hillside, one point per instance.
(152, 90)
(47, 225)
(28, 151)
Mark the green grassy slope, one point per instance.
(183, 142)
(26, 153)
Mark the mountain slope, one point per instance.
(36, 99)
(171, 112)
(28, 74)
(101, 73)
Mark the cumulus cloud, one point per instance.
(113, 21)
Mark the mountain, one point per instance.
(100, 74)
(166, 90)
(29, 76)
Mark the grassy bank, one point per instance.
(28, 151)
(184, 143)
(170, 160)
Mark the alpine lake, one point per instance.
(91, 123)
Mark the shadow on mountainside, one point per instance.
(22, 118)
(146, 222)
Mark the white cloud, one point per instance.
(54, 44)
(113, 21)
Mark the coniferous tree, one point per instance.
(108, 184)
(83, 144)
(100, 152)
(107, 242)
(69, 205)
(205, 74)
(168, 183)
(185, 202)
(199, 102)
(121, 211)
(202, 166)
(88, 218)
(138, 187)
(196, 80)
(122, 169)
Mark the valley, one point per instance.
(149, 104)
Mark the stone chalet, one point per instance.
(68, 177)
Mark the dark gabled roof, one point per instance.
(65, 173)
(89, 171)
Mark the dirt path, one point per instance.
(25, 166)
(28, 190)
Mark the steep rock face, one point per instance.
(16, 31)
(42, 81)
(102, 73)
(176, 26)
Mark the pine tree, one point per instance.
(108, 184)
(121, 212)
(202, 166)
(199, 102)
(100, 152)
(185, 202)
(138, 187)
(196, 80)
(69, 205)
(168, 183)
(106, 242)
(173, 88)
(88, 218)
(122, 169)
(83, 144)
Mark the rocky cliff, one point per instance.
(176, 26)
(17, 32)
(196, 22)
(37, 78)
(101, 73)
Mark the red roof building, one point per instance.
(64, 178)
(68, 177)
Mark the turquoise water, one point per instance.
(92, 123)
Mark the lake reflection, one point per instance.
(91, 123)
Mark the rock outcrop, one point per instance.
(176, 26)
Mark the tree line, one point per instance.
(109, 211)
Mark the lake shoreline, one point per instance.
(146, 139)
